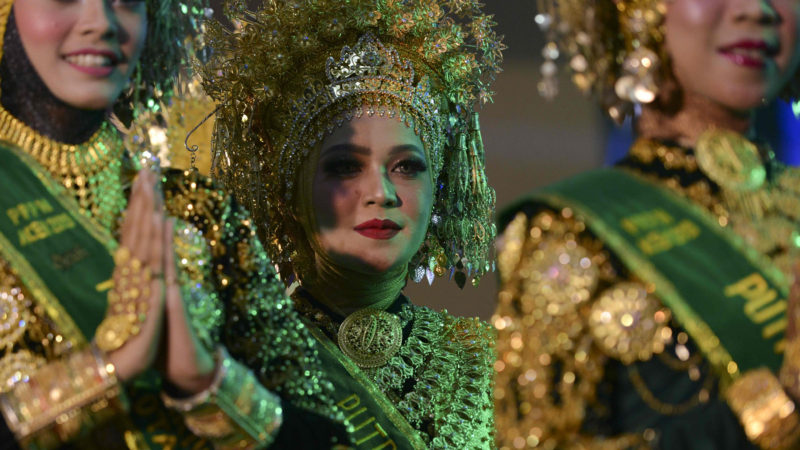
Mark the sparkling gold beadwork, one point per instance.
(370, 337)
(629, 323)
(127, 302)
(730, 160)
(14, 318)
(561, 275)
(444, 365)
(91, 171)
(17, 366)
(764, 214)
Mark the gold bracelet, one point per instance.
(235, 411)
(766, 412)
(58, 401)
(127, 302)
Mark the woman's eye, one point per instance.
(342, 167)
(130, 3)
(410, 167)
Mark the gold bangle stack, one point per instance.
(61, 399)
(768, 415)
(235, 412)
(127, 302)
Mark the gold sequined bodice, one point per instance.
(568, 309)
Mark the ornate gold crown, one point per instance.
(372, 70)
(614, 48)
(292, 71)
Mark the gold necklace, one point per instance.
(370, 337)
(91, 171)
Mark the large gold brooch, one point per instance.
(370, 337)
(730, 160)
(628, 323)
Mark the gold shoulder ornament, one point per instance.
(629, 323)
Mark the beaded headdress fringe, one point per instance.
(292, 71)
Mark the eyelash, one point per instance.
(347, 167)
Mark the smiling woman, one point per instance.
(67, 43)
(120, 289)
(350, 131)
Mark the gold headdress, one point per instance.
(614, 48)
(292, 71)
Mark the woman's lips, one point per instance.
(749, 53)
(378, 229)
(98, 63)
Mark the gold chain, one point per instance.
(669, 409)
(91, 171)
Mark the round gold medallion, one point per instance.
(370, 337)
(730, 160)
(628, 323)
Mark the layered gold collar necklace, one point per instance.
(91, 171)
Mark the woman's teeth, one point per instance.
(85, 60)
(750, 52)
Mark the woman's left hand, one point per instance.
(189, 366)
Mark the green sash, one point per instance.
(65, 260)
(62, 257)
(377, 423)
(727, 296)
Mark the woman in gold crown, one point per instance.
(647, 304)
(348, 129)
(80, 329)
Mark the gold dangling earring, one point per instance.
(638, 83)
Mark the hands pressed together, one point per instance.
(163, 337)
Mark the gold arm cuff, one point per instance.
(235, 411)
(764, 409)
(62, 399)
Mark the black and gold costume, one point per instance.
(589, 353)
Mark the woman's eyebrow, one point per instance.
(346, 148)
(406, 148)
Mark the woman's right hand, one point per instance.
(142, 234)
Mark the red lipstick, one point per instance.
(751, 53)
(378, 229)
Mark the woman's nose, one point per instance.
(97, 18)
(379, 189)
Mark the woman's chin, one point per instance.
(377, 265)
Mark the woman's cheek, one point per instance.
(39, 28)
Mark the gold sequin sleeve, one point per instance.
(235, 299)
(549, 363)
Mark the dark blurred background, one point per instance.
(531, 142)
